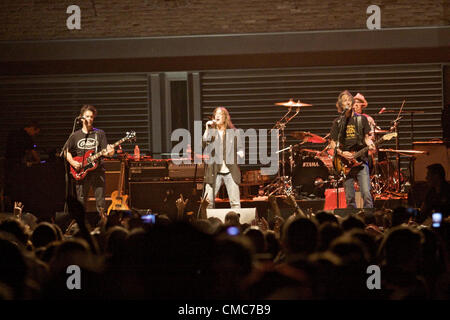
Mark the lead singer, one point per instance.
(227, 170)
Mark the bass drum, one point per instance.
(309, 175)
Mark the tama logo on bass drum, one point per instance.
(310, 164)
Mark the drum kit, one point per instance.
(308, 172)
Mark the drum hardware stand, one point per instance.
(397, 144)
(282, 183)
(377, 186)
(411, 164)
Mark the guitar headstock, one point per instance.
(131, 135)
(389, 136)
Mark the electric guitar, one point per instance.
(118, 197)
(344, 165)
(89, 160)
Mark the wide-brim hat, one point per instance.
(361, 98)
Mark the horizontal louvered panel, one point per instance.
(250, 95)
(122, 102)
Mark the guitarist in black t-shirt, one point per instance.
(349, 134)
(89, 139)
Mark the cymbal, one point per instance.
(307, 137)
(291, 103)
(404, 151)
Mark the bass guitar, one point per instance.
(118, 197)
(89, 160)
(344, 165)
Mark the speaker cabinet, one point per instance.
(111, 183)
(368, 214)
(246, 215)
(437, 152)
(160, 196)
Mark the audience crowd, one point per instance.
(314, 256)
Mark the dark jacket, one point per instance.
(234, 140)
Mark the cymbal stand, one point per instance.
(283, 184)
(397, 146)
(411, 165)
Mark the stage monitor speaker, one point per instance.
(247, 215)
(368, 213)
(152, 194)
(437, 153)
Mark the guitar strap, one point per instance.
(360, 129)
(96, 142)
(361, 135)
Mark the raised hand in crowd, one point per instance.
(18, 209)
(263, 224)
(290, 200)
(78, 213)
(203, 205)
(181, 205)
(274, 206)
(278, 223)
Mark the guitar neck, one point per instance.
(364, 150)
(100, 153)
(122, 177)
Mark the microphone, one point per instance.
(382, 110)
(214, 123)
(80, 118)
(346, 108)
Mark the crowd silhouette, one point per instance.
(313, 255)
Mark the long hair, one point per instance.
(339, 104)
(228, 123)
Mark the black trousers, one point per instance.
(96, 180)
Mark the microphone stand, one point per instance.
(63, 154)
(397, 145)
(206, 165)
(342, 121)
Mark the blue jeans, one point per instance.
(363, 178)
(96, 180)
(232, 190)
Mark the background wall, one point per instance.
(46, 19)
(246, 55)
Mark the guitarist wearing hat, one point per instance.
(350, 133)
(81, 142)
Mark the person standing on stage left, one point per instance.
(86, 139)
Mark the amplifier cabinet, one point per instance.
(186, 171)
(148, 170)
(437, 153)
